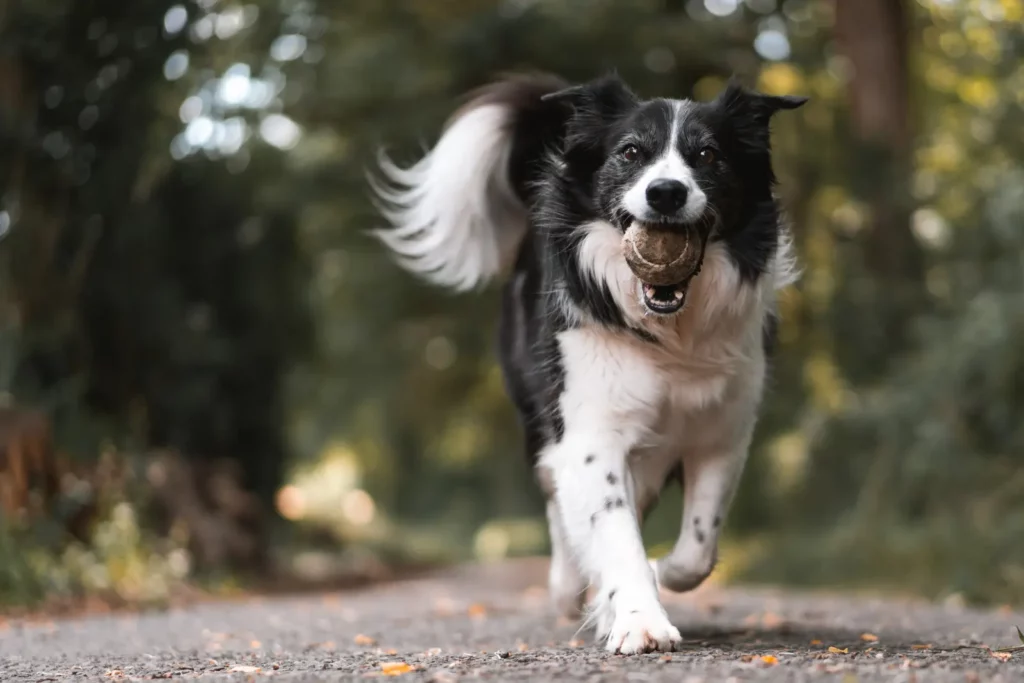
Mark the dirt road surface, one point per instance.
(493, 623)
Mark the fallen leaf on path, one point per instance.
(815, 642)
(770, 660)
(921, 646)
(364, 640)
(869, 637)
(836, 651)
(395, 668)
(772, 620)
(1002, 656)
(666, 658)
(255, 645)
(522, 647)
(477, 611)
(244, 669)
(575, 643)
(115, 673)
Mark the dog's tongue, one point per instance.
(662, 256)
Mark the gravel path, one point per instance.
(493, 623)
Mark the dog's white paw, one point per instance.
(644, 630)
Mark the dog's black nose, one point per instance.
(666, 196)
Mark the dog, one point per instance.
(622, 386)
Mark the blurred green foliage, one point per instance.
(184, 263)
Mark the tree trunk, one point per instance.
(873, 35)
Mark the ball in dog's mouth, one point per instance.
(664, 258)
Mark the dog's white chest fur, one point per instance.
(693, 388)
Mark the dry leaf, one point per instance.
(255, 644)
(770, 660)
(1002, 656)
(921, 646)
(244, 669)
(747, 658)
(815, 642)
(395, 668)
(836, 651)
(575, 643)
(772, 620)
(115, 673)
(869, 637)
(523, 647)
(666, 658)
(476, 610)
(364, 640)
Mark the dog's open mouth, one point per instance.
(664, 299)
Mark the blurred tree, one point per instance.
(874, 37)
(153, 302)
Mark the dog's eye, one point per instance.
(706, 156)
(630, 153)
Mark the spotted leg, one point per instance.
(608, 401)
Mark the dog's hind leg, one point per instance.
(568, 586)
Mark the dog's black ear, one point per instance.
(737, 100)
(603, 98)
(747, 113)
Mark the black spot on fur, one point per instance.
(608, 503)
(700, 536)
(770, 334)
(612, 479)
(696, 521)
(593, 519)
(611, 594)
(717, 523)
(589, 459)
(620, 503)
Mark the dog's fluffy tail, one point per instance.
(459, 214)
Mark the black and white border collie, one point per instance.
(621, 386)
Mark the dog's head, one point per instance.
(668, 173)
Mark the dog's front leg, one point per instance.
(711, 472)
(607, 405)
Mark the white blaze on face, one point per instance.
(670, 166)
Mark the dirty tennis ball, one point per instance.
(660, 256)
